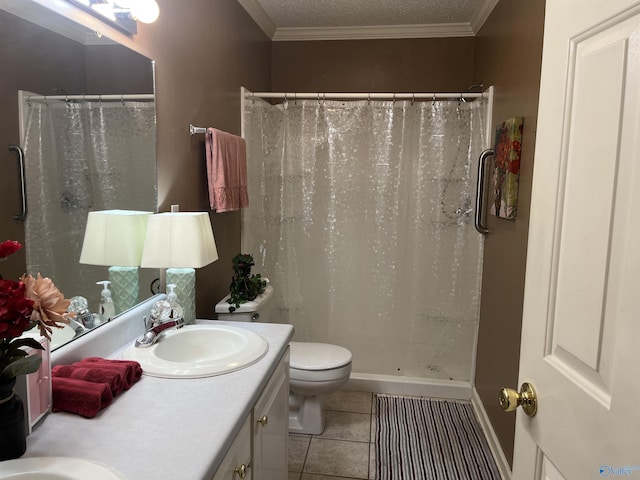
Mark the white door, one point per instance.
(581, 325)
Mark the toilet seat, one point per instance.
(328, 375)
(318, 356)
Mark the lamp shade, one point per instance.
(179, 240)
(114, 237)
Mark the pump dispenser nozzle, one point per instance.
(106, 310)
(172, 298)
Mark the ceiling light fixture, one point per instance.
(145, 11)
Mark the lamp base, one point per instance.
(185, 281)
(124, 287)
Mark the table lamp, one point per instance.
(116, 238)
(180, 242)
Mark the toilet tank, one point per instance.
(254, 311)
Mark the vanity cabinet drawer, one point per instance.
(236, 464)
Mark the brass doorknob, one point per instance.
(263, 421)
(509, 399)
(241, 470)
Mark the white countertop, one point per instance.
(166, 428)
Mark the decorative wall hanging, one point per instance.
(507, 168)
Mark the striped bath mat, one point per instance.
(424, 439)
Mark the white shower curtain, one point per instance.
(82, 156)
(361, 216)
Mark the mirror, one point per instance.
(63, 69)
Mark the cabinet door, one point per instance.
(271, 426)
(236, 464)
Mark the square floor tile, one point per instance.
(347, 426)
(338, 458)
(298, 446)
(349, 401)
(294, 476)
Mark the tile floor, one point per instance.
(346, 448)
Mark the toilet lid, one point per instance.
(318, 356)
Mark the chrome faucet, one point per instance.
(154, 329)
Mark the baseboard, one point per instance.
(396, 385)
(490, 435)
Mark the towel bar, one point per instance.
(193, 130)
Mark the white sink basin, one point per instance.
(200, 350)
(56, 468)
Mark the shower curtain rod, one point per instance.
(105, 98)
(363, 96)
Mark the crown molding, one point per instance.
(255, 11)
(481, 15)
(373, 32)
(259, 16)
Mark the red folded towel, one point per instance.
(94, 375)
(78, 396)
(131, 371)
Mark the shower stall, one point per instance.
(82, 153)
(362, 218)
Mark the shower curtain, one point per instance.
(82, 156)
(361, 216)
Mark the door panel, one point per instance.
(583, 285)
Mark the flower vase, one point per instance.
(13, 434)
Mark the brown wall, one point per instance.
(508, 56)
(204, 53)
(113, 69)
(404, 65)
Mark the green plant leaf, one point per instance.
(26, 342)
(22, 366)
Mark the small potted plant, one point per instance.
(244, 286)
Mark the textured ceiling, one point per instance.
(349, 13)
(344, 19)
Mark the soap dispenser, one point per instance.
(176, 309)
(106, 309)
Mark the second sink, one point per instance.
(200, 350)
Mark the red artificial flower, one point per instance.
(514, 166)
(15, 309)
(9, 247)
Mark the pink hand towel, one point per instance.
(226, 170)
(94, 375)
(80, 397)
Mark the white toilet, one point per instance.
(316, 368)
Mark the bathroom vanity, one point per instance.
(209, 428)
